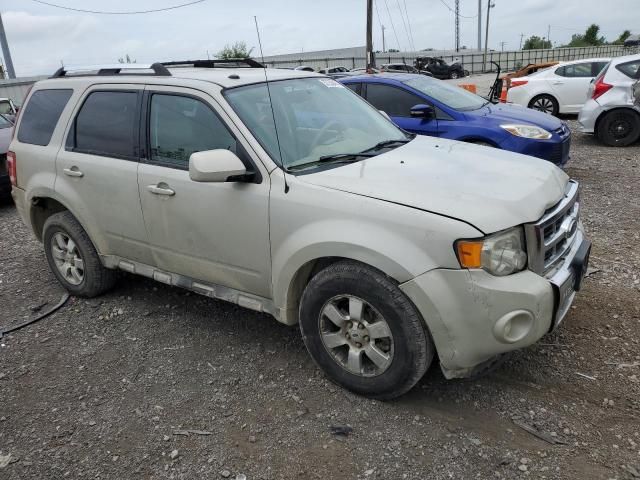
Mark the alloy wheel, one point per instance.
(356, 335)
(543, 104)
(67, 258)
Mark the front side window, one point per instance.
(392, 100)
(41, 115)
(107, 124)
(180, 126)
(311, 118)
(447, 94)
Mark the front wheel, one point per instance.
(619, 128)
(363, 331)
(453, 75)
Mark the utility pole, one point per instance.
(502, 44)
(479, 25)
(457, 15)
(371, 61)
(384, 48)
(549, 35)
(5, 51)
(486, 35)
(521, 37)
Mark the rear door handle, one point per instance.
(73, 172)
(161, 189)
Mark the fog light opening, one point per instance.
(514, 326)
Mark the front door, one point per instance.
(214, 232)
(397, 103)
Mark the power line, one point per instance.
(453, 11)
(118, 13)
(393, 27)
(406, 12)
(404, 24)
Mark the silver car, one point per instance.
(612, 111)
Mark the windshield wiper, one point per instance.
(335, 158)
(387, 143)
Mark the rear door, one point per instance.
(397, 102)
(214, 232)
(97, 170)
(570, 84)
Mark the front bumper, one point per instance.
(555, 150)
(5, 186)
(474, 316)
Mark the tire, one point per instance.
(86, 278)
(347, 294)
(453, 75)
(545, 103)
(619, 128)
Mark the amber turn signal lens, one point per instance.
(469, 253)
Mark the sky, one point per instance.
(41, 36)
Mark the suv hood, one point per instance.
(488, 188)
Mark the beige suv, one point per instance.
(296, 198)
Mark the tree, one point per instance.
(623, 36)
(534, 42)
(237, 50)
(588, 39)
(126, 59)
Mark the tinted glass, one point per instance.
(41, 115)
(354, 86)
(180, 126)
(578, 70)
(107, 124)
(596, 67)
(5, 108)
(392, 100)
(446, 93)
(630, 69)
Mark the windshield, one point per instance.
(452, 96)
(315, 117)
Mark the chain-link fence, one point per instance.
(473, 62)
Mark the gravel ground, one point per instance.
(151, 381)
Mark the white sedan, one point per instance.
(558, 89)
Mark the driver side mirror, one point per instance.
(215, 166)
(423, 111)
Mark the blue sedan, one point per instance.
(427, 106)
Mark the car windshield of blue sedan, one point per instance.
(313, 120)
(450, 95)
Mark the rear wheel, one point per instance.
(454, 75)
(544, 103)
(362, 330)
(619, 128)
(73, 258)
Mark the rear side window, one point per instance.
(577, 70)
(107, 125)
(41, 115)
(630, 69)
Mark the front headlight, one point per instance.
(527, 131)
(500, 254)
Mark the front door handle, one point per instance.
(161, 189)
(73, 172)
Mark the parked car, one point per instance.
(402, 68)
(612, 112)
(330, 70)
(8, 109)
(438, 68)
(356, 71)
(6, 131)
(559, 89)
(304, 68)
(432, 107)
(300, 200)
(523, 72)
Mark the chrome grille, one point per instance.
(551, 237)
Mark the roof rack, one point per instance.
(116, 69)
(228, 63)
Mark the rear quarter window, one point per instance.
(630, 69)
(41, 115)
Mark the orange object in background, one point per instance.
(503, 93)
(469, 86)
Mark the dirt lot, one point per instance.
(108, 388)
